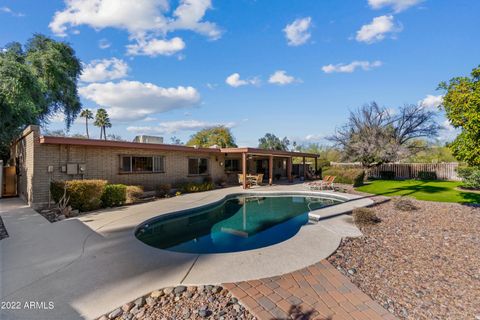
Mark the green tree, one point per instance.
(36, 81)
(272, 142)
(461, 103)
(219, 135)
(87, 114)
(102, 120)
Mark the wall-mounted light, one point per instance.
(221, 163)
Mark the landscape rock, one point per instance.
(115, 313)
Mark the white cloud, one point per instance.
(234, 80)
(104, 44)
(104, 70)
(448, 132)
(431, 101)
(351, 67)
(155, 47)
(175, 126)
(133, 100)
(281, 77)
(378, 29)
(309, 138)
(144, 20)
(396, 5)
(189, 15)
(137, 17)
(11, 12)
(297, 32)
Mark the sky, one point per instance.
(294, 68)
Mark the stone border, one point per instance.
(220, 302)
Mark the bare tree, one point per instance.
(373, 135)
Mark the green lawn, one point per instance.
(442, 191)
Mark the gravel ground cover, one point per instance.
(181, 302)
(3, 231)
(419, 264)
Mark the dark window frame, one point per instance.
(131, 164)
(230, 168)
(198, 173)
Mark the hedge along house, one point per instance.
(41, 159)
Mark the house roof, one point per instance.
(257, 151)
(167, 147)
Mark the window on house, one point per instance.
(197, 166)
(232, 165)
(142, 164)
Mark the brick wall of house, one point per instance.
(101, 163)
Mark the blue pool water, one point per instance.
(239, 223)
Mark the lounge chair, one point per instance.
(315, 185)
(325, 183)
(329, 183)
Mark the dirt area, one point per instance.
(419, 264)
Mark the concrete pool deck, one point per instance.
(89, 265)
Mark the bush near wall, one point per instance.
(195, 187)
(134, 194)
(114, 195)
(470, 177)
(85, 195)
(353, 176)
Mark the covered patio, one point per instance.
(261, 161)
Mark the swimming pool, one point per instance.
(238, 223)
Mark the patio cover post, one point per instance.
(244, 170)
(316, 168)
(270, 169)
(289, 169)
(304, 171)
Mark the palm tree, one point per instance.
(103, 121)
(87, 114)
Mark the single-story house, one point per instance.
(41, 159)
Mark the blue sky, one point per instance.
(293, 68)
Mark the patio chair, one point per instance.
(259, 179)
(240, 178)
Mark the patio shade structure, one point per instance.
(270, 155)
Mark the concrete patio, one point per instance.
(88, 265)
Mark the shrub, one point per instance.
(84, 195)
(114, 195)
(353, 176)
(466, 172)
(427, 175)
(387, 175)
(364, 216)
(405, 204)
(196, 187)
(163, 190)
(473, 181)
(134, 193)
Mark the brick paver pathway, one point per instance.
(316, 292)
